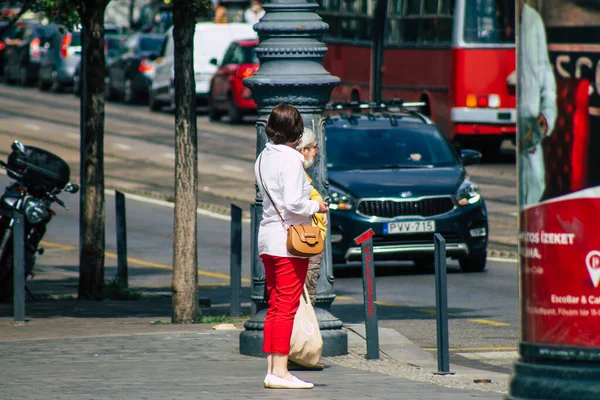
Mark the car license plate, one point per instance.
(408, 227)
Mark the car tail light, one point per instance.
(34, 47)
(494, 101)
(482, 101)
(64, 45)
(1, 45)
(146, 65)
(245, 72)
(471, 101)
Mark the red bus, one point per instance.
(456, 56)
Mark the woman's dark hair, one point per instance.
(285, 124)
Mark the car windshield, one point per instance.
(150, 44)
(250, 55)
(409, 146)
(490, 21)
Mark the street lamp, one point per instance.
(291, 71)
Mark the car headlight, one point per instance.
(340, 200)
(35, 211)
(468, 193)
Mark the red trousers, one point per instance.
(284, 280)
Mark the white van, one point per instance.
(210, 42)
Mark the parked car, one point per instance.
(398, 175)
(59, 59)
(6, 35)
(113, 47)
(210, 42)
(228, 95)
(130, 74)
(23, 50)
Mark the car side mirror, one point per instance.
(214, 62)
(18, 147)
(470, 157)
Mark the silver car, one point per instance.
(59, 59)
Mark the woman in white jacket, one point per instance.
(536, 107)
(285, 190)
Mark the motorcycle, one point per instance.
(39, 176)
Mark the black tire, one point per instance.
(235, 115)
(42, 84)
(473, 263)
(6, 73)
(56, 86)
(490, 148)
(76, 85)
(23, 77)
(152, 103)
(109, 93)
(213, 113)
(129, 95)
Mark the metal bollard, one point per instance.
(365, 240)
(19, 267)
(441, 305)
(235, 261)
(121, 217)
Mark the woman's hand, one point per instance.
(323, 207)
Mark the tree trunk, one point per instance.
(92, 213)
(185, 253)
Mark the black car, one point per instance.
(22, 52)
(399, 175)
(129, 75)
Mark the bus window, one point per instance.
(489, 21)
(413, 7)
(430, 7)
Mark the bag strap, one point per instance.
(267, 192)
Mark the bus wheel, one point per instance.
(491, 147)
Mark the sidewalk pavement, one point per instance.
(71, 349)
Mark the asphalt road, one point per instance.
(139, 153)
(139, 147)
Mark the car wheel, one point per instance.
(76, 86)
(235, 115)
(42, 84)
(473, 263)
(152, 103)
(6, 74)
(213, 113)
(172, 102)
(56, 86)
(23, 77)
(129, 96)
(109, 93)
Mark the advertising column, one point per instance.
(558, 160)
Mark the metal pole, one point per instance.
(235, 260)
(121, 216)
(377, 50)
(19, 267)
(441, 304)
(82, 130)
(365, 240)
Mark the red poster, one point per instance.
(560, 270)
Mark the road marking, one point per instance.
(487, 349)
(506, 260)
(32, 127)
(429, 311)
(170, 156)
(491, 355)
(168, 204)
(142, 262)
(122, 146)
(344, 298)
(489, 322)
(385, 304)
(74, 136)
(232, 168)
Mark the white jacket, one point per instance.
(285, 180)
(537, 85)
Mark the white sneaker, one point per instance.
(267, 379)
(275, 382)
